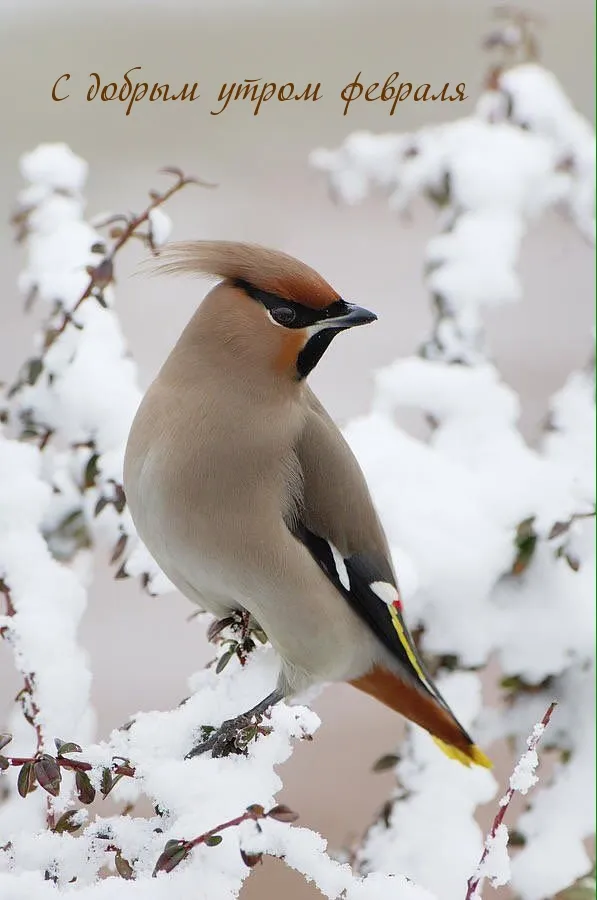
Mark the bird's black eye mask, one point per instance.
(290, 314)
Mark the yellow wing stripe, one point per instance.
(407, 646)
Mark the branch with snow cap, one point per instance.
(494, 863)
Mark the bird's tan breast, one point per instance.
(203, 482)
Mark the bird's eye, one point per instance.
(283, 315)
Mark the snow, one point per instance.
(160, 226)
(436, 798)
(496, 865)
(54, 166)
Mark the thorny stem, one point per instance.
(28, 689)
(77, 765)
(181, 849)
(475, 880)
(104, 268)
(249, 815)
(26, 695)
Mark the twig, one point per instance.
(175, 851)
(101, 275)
(532, 742)
(77, 765)
(28, 690)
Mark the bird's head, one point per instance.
(270, 309)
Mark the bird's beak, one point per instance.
(356, 315)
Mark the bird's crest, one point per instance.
(267, 270)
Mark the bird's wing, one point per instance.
(339, 526)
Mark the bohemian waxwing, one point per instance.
(248, 497)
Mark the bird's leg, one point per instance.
(231, 736)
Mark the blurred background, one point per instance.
(267, 193)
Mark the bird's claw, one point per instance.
(232, 736)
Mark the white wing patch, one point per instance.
(340, 567)
(386, 592)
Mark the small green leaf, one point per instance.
(91, 470)
(101, 504)
(107, 782)
(4, 740)
(4, 764)
(26, 779)
(225, 659)
(34, 370)
(213, 840)
(260, 635)
(174, 852)
(123, 866)
(65, 824)
(85, 790)
(386, 762)
(66, 747)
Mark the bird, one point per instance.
(250, 500)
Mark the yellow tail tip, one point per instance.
(474, 756)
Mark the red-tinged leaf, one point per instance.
(119, 548)
(256, 810)
(174, 852)
(26, 779)
(103, 274)
(213, 840)
(251, 859)
(123, 866)
(4, 740)
(282, 814)
(47, 772)
(120, 499)
(557, 529)
(85, 790)
(216, 627)
(122, 572)
(65, 824)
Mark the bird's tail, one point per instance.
(425, 710)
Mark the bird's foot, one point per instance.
(232, 736)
